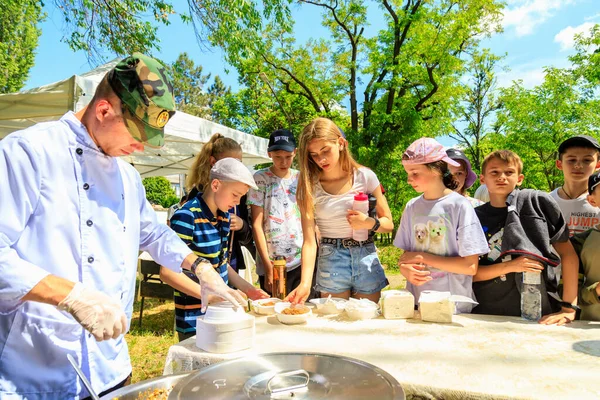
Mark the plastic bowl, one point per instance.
(292, 319)
(329, 306)
(223, 311)
(261, 307)
(362, 309)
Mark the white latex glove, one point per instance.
(99, 314)
(211, 283)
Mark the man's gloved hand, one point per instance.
(211, 283)
(99, 314)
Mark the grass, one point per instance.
(149, 345)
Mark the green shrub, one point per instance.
(159, 191)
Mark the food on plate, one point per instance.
(267, 304)
(295, 310)
(153, 394)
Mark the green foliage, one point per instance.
(476, 112)
(19, 35)
(117, 26)
(190, 89)
(533, 122)
(188, 86)
(159, 191)
(587, 58)
(411, 67)
(389, 256)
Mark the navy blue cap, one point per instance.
(282, 139)
(578, 141)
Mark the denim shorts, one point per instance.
(355, 268)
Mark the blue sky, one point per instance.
(537, 33)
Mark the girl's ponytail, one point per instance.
(449, 180)
(447, 177)
(199, 173)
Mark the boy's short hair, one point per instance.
(507, 156)
(585, 141)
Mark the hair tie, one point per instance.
(447, 174)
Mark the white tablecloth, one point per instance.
(477, 356)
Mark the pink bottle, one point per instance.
(361, 203)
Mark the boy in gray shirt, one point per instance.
(523, 228)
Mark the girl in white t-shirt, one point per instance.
(439, 231)
(329, 180)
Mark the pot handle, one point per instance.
(297, 372)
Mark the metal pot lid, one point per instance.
(289, 376)
(144, 389)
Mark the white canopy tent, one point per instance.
(184, 133)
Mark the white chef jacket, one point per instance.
(69, 210)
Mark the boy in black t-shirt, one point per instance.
(525, 229)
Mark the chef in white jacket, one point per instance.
(73, 218)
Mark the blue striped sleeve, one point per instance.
(182, 223)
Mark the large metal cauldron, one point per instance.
(136, 391)
(277, 376)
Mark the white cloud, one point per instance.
(531, 76)
(531, 73)
(566, 37)
(593, 17)
(526, 15)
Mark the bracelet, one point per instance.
(376, 225)
(195, 264)
(566, 304)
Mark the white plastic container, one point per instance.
(440, 306)
(436, 307)
(329, 306)
(263, 306)
(362, 309)
(361, 203)
(397, 304)
(224, 330)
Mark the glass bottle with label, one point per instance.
(279, 277)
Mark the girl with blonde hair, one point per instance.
(329, 180)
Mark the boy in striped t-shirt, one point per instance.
(203, 224)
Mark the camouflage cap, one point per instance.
(146, 95)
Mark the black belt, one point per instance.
(346, 242)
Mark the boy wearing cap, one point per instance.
(276, 223)
(578, 159)
(463, 174)
(73, 218)
(587, 246)
(525, 231)
(203, 223)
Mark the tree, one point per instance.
(411, 66)
(476, 112)
(18, 39)
(400, 82)
(159, 191)
(587, 57)
(188, 86)
(116, 26)
(533, 122)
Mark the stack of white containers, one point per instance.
(397, 304)
(224, 330)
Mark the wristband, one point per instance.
(376, 226)
(195, 264)
(566, 304)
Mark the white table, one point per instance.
(477, 356)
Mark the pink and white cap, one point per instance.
(426, 150)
